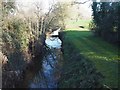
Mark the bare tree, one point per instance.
(38, 12)
(57, 14)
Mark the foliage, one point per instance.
(7, 6)
(105, 19)
(15, 35)
(57, 15)
(92, 26)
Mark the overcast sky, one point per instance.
(28, 4)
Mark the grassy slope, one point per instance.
(103, 54)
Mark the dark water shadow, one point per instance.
(42, 72)
(31, 70)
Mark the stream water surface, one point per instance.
(48, 71)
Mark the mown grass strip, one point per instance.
(101, 53)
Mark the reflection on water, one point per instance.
(45, 77)
(53, 42)
(49, 72)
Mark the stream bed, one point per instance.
(46, 72)
(46, 77)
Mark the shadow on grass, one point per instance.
(102, 55)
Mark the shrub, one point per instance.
(15, 34)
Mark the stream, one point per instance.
(45, 74)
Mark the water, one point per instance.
(53, 42)
(48, 73)
(45, 78)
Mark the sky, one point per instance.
(45, 2)
(29, 4)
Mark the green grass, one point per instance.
(103, 55)
(74, 25)
(78, 71)
(79, 22)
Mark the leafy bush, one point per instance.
(106, 20)
(92, 26)
(15, 34)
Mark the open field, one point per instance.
(74, 25)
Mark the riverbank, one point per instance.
(15, 66)
(45, 69)
(88, 61)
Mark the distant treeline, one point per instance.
(106, 20)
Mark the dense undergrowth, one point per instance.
(16, 47)
(15, 40)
